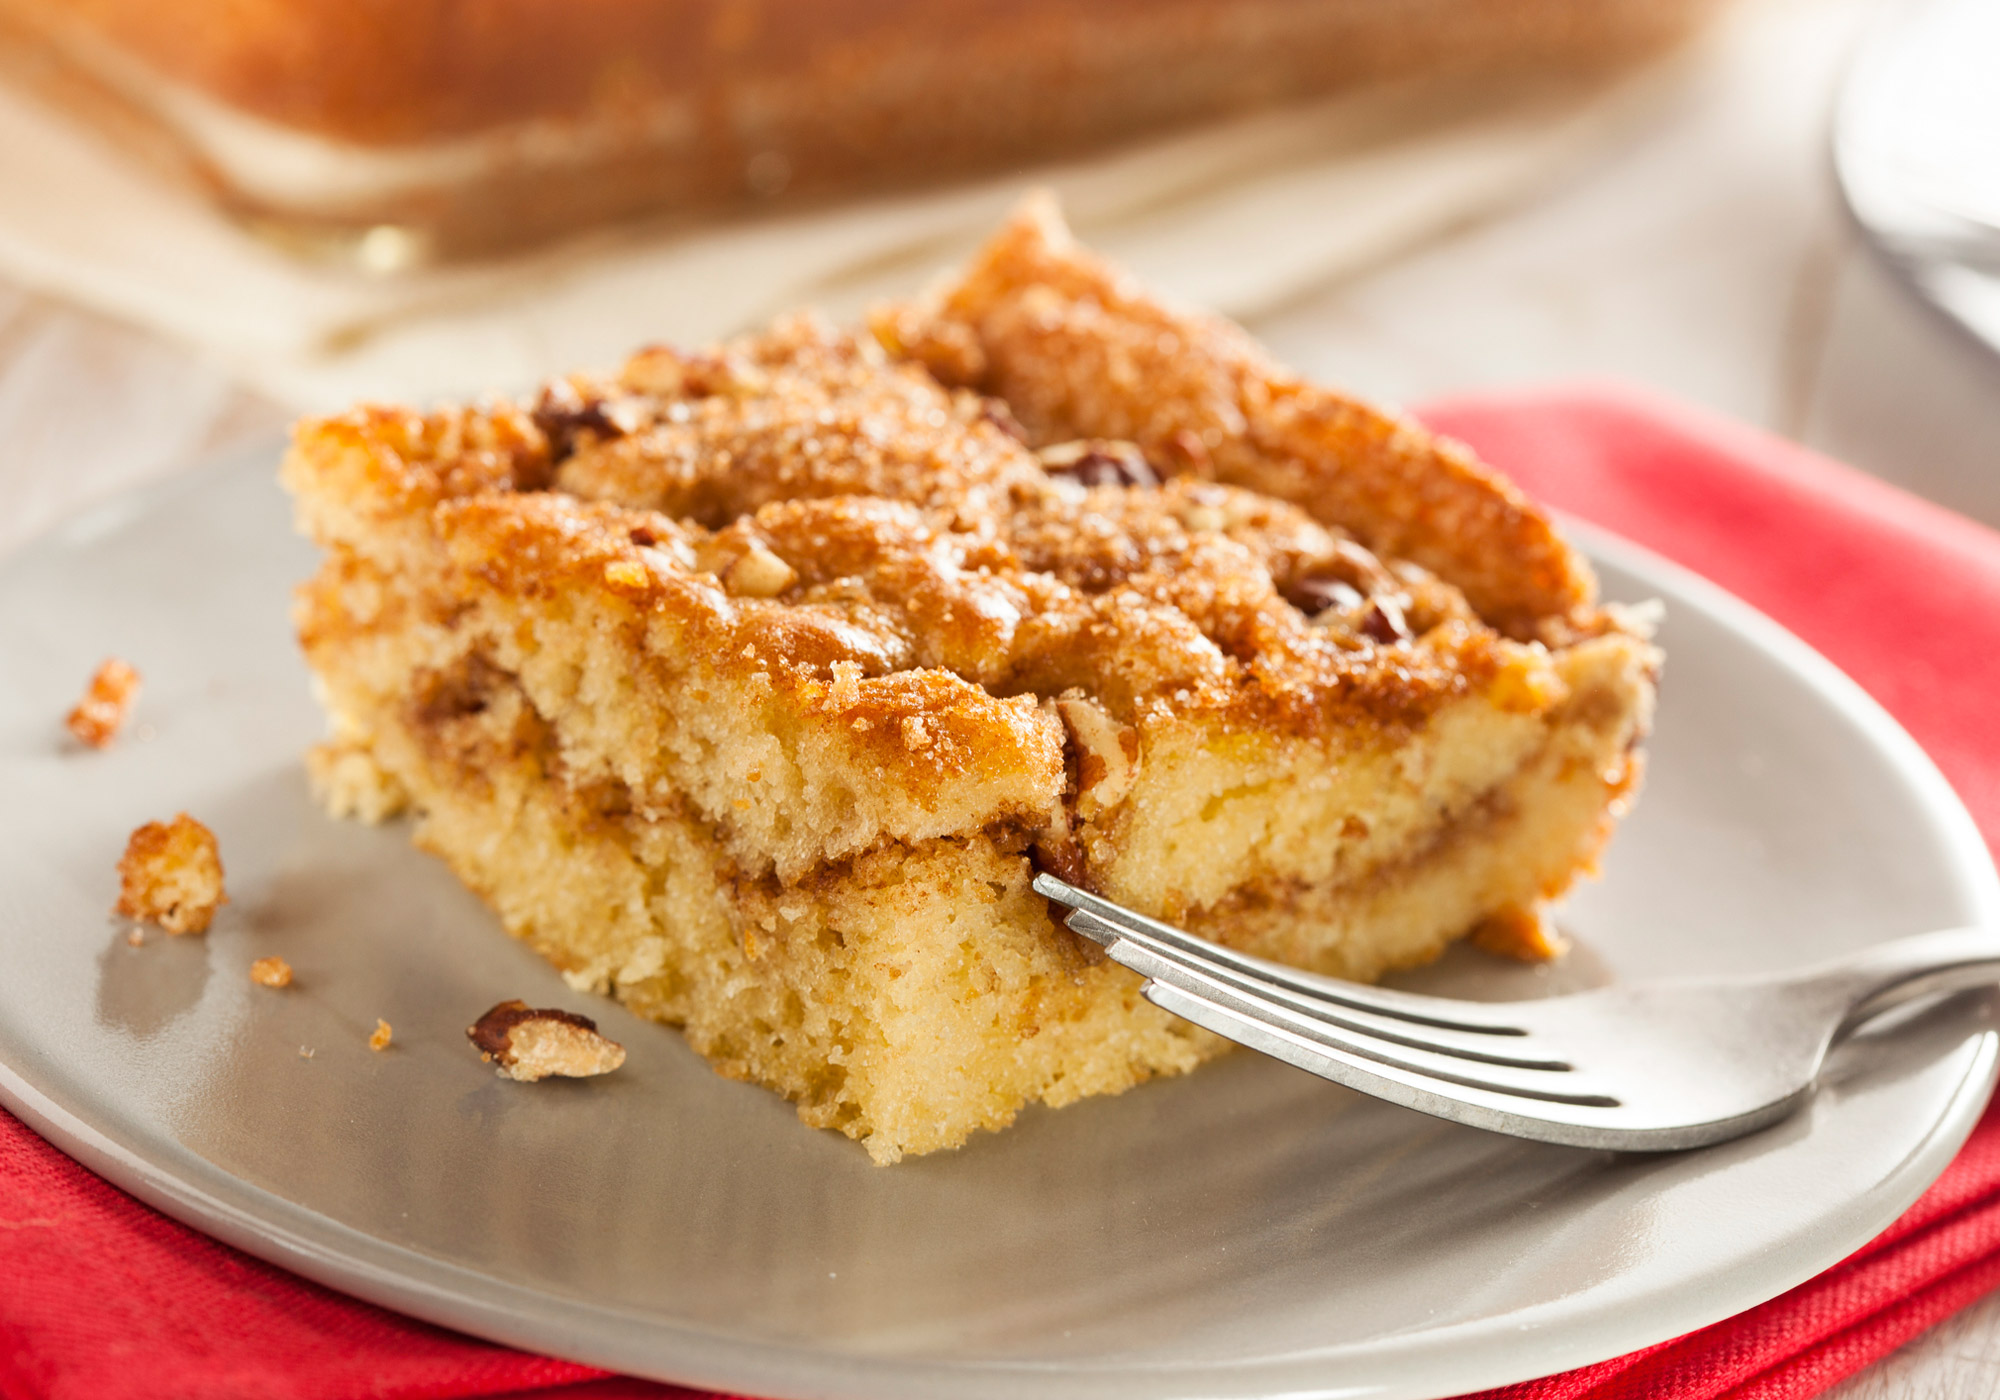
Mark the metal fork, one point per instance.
(1652, 1067)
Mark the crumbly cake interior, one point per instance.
(752, 685)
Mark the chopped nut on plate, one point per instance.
(529, 1043)
(101, 713)
(382, 1035)
(271, 972)
(172, 874)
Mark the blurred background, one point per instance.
(215, 214)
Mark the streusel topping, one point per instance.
(825, 505)
(1077, 349)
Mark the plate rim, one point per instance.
(1477, 1354)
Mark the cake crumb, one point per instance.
(383, 1034)
(529, 1043)
(136, 936)
(1520, 932)
(271, 972)
(171, 874)
(304, 1053)
(101, 713)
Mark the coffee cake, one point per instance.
(752, 685)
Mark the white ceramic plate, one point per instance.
(1245, 1231)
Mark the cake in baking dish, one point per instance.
(752, 686)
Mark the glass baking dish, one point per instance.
(408, 130)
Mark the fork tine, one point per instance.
(1461, 1099)
(1663, 1061)
(1402, 1006)
(1229, 1009)
(1510, 1052)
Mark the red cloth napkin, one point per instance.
(102, 1299)
(1905, 597)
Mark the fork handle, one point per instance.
(1889, 974)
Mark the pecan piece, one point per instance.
(1348, 575)
(996, 412)
(758, 573)
(1384, 621)
(1099, 462)
(1352, 589)
(1106, 755)
(529, 1043)
(1315, 593)
(563, 414)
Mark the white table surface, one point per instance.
(1707, 257)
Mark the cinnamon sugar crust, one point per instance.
(1035, 571)
(909, 532)
(1078, 350)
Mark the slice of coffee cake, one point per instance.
(751, 686)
